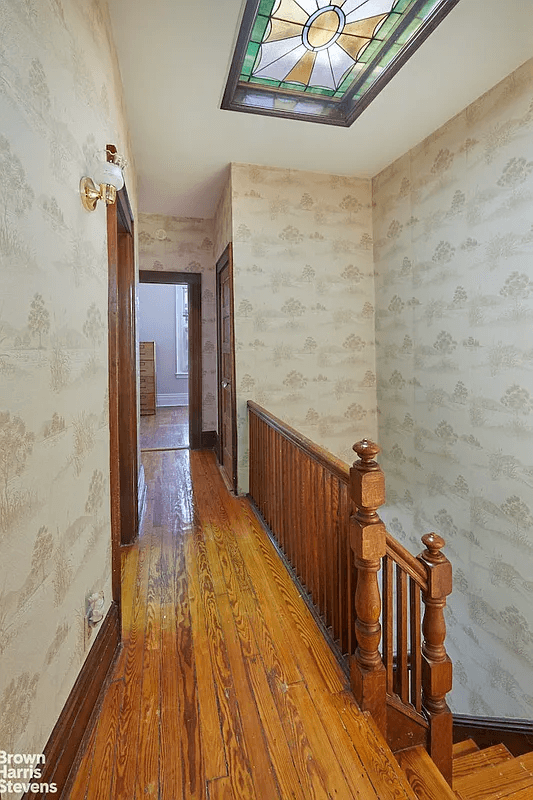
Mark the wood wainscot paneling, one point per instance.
(74, 722)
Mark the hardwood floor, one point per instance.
(168, 428)
(224, 688)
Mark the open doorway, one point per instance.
(164, 366)
(169, 326)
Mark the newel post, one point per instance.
(436, 664)
(368, 542)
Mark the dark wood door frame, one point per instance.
(122, 382)
(194, 283)
(226, 260)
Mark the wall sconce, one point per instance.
(106, 182)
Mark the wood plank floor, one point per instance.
(168, 428)
(224, 688)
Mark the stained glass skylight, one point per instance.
(324, 60)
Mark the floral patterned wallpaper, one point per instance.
(60, 103)
(453, 229)
(179, 244)
(304, 304)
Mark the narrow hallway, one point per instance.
(167, 429)
(224, 688)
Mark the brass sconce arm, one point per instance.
(91, 194)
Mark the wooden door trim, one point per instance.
(122, 368)
(226, 260)
(194, 283)
(114, 454)
(127, 367)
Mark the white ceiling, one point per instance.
(174, 58)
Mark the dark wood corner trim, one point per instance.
(515, 734)
(63, 746)
(210, 440)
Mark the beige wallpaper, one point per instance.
(179, 244)
(304, 304)
(60, 102)
(454, 310)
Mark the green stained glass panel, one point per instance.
(403, 5)
(265, 7)
(408, 32)
(427, 8)
(389, 55)
(319, 90)
(249, 60)
(265, 82)
(347, 82)
(369, 81)
(285, 66)
(388, 26)
(259, 29)
(369, 52)
(292, 86)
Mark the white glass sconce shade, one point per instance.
(108, 180)
(110, 174)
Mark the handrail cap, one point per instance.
(366, 450)
(433, 543)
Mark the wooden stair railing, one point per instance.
(412, 667)
(323, 517)
(302, 493)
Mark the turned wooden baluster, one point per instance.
(436, 665)
(367, 535)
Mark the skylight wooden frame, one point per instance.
(342, 111)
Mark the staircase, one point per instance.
(489, 774)
(381, 608)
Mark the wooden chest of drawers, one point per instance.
(147, 377)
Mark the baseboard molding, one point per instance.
(64, 743)
(209, 440)
(141, 497)
(179, 399)
(515, 734)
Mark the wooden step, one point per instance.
(521, 794)
(387, 777)
(423, 776)
(464, 748)
(489, 756)
(512, 780)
